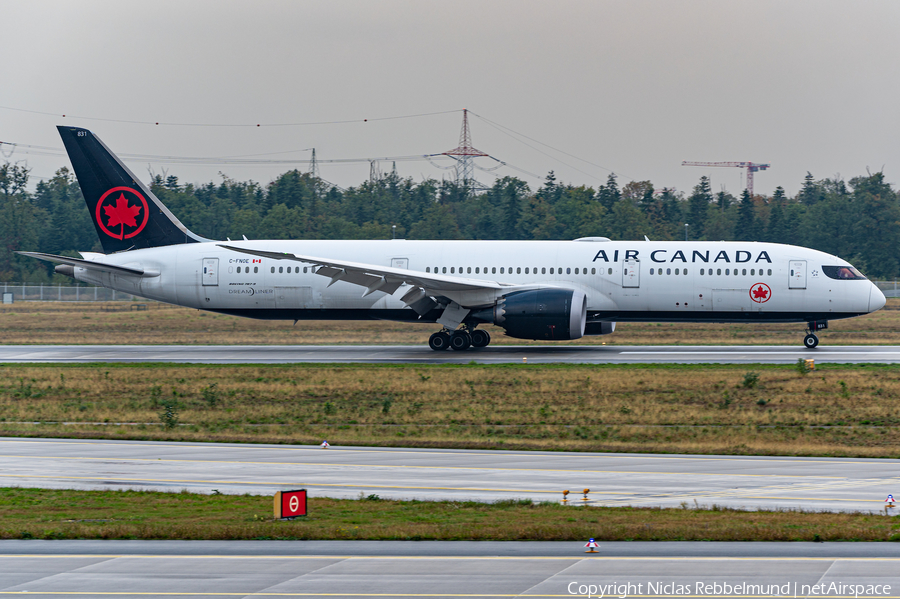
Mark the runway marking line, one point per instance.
(276, 594)
(271, 594)
(470, 452)
(236, 482)
(447, 557)
(402, 466)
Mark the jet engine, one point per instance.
(557, 314)
(600, 328)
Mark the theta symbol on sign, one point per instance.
(760, 293)
(294, 503)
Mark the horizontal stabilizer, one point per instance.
(91, 265)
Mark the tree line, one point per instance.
(858, 220)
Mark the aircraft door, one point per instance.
(210, 274)
(798, 274)
(631, 273)
(400, 263)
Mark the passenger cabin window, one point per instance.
(273, 269)
(847, 273)
(256, 269)
(543, 270)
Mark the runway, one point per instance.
(414, 354)
(472, 570)
(745, 482)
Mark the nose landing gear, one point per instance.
(459, 340)
(812, 340)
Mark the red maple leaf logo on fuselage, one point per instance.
(760, 293)
(121, 214)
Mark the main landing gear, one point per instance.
(810, 341)
(459, 340)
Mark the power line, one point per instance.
(220, 160)
(511, 133)
(301, 124)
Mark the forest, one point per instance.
(858, 220)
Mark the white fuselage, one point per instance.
(622, 280)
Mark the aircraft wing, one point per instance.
(90, 264)
(382, 278)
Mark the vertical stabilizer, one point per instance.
(125, 213)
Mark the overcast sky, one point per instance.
(631, 86)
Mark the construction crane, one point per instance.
(751, 167)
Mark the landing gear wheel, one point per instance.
(460, 340)
(480, 338)
(439, 341)
(810, 341)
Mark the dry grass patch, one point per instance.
(776, 410)
(55, 514)
(115, 323)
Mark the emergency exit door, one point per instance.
(210, 274)
(631, 273)
(798, 274)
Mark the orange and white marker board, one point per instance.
(290, 504)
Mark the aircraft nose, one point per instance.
(876, 299)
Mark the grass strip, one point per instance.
(847, 411)
(63, 514)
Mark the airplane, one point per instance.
(540, 290)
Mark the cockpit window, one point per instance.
(842, 272)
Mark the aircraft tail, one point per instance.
(125, 213)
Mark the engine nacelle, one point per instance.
(600, 328)
(558, 314)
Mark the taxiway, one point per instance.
(745, 482)
(472, 570)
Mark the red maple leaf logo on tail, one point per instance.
(121, 214)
